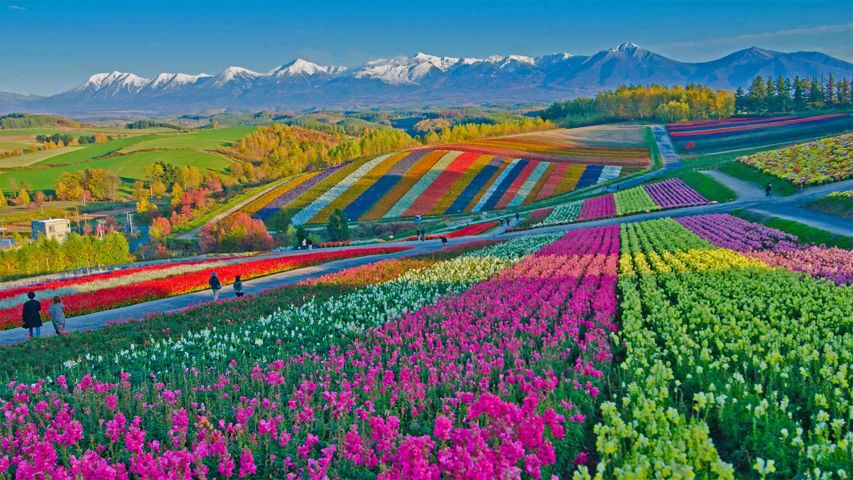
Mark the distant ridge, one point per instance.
(418, 80)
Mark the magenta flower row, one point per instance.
(598, 207)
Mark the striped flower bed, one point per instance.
(361, 205)
(427, 201)
(420, 186)
(713, 135)
(360, 186)
(426, 181)
(331, 194)
(265, 206)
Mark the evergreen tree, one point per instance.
(757, 95)
(829, 95)
(338, 227)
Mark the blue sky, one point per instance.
(46, 47)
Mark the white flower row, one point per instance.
(528, 184)
(492, 190)
(561, 214)
(331, 194)
(317, 323)
(609, 172)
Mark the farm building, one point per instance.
(51, 228)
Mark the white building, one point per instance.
(51, 228)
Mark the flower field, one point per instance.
(433, 182)
(672, 193)
(773, 247)
(636, 351)
(812, 163)
(730, 133)
(757, 359)
(127, 287)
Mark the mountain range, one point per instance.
(419, 80)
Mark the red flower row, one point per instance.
(106, 299)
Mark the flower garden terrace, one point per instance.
(596, 354)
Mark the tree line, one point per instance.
(650, 103)
(141, 124)
(280, 150)
(78, 251)
(64, 139)
(30, 120)
(786, 95)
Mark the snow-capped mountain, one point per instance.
(172, 81)
(304, 68)
(405, 70)
(420, 79)
(111, 84)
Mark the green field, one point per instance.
(199, 140)
(28, 159)
(129, 167)
(126, 156)
(91, 152)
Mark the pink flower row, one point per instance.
(493, 383)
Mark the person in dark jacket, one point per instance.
(767, 190)
(215, 285)
(238, 286)
(32, 317)
(443, 242)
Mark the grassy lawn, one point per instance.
(803, 232)
(760, 179)
(840, 206)
(708, 187)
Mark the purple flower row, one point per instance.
(674, 193)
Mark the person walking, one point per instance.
(215, 285)
(238, 286)
(32, 317)
(767, 190)
(57, 315)
(443, 242)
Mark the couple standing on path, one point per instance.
(216, 286)
(32, 315)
